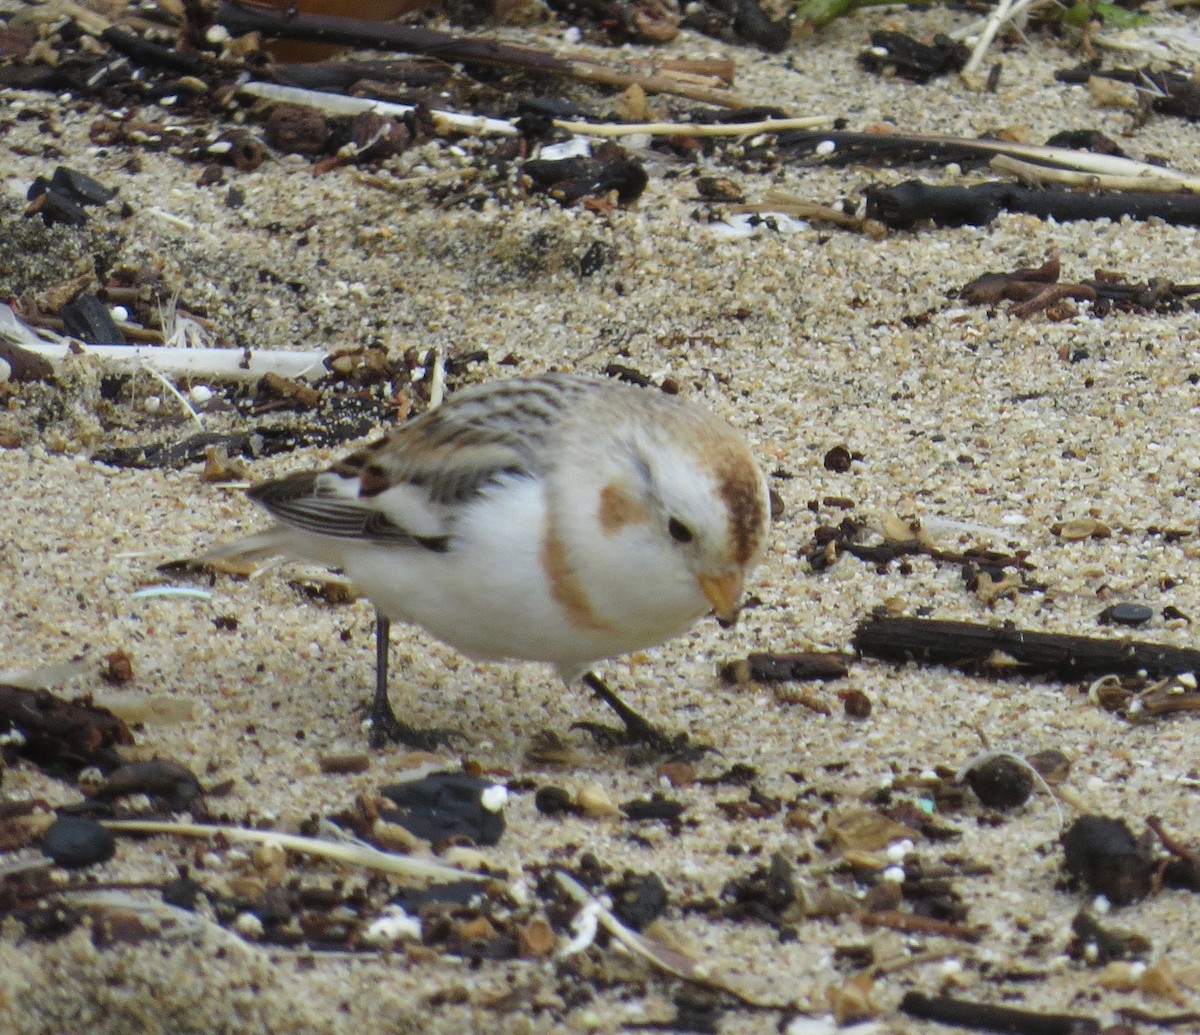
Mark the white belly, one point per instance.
(488, 596)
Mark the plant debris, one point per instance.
(775, 667)
(63, 197)
(1036, 290)
(58, 734)
(1103, 855)
(910, 58)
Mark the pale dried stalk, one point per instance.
(691, 129)
(1004, 11)
(350, 854)
(1063, 157)
(1033, 173)
(217, 364)
(339, 104)
(661, 955)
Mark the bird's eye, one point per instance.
(679, 531)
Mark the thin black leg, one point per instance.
(385, 727)
(638, 730)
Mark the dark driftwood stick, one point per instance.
(469, 50)
(908, 203)
(967, 645)
(986, 1017)
(341, 75)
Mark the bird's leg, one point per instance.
(385, 727)
(638, 730)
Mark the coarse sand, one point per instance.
(988, 429)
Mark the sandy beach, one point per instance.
(988, 429)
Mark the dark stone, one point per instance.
(77, 841)
(445, 805)
(1126, 614)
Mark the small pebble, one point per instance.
(78, 841)
(1103, 855)
(1126, 614)
(248, 926)
(1000, 782)
(553, 801)
(856, 704)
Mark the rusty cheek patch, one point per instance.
(618, 509)
(565, 586)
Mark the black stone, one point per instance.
(78, 841)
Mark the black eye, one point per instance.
(679, 531)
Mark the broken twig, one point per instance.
(1003, 650)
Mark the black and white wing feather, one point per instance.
(406, 489)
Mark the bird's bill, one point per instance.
(724, 592)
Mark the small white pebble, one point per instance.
(216, 35)
(1136, 969)
(950, 967)
(575, 147)
(1091, 952)
(152, 404)
(1101, 904)
(391, 926)
(494, 798)
(1187, 679)
(897, 850)
(825, 147)
(200, 394)
(248, 926)
(895, 874)
(572, 35)
(586, 926)
(119, 313)
(1095, 783)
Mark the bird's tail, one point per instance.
(276, 541)
(246, 553)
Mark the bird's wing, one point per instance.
(408, 488)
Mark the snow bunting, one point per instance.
(560, 519)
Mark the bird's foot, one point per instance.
(387, 729)
(637, 731)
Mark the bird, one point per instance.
(564, 518)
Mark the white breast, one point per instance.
(487, 596)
